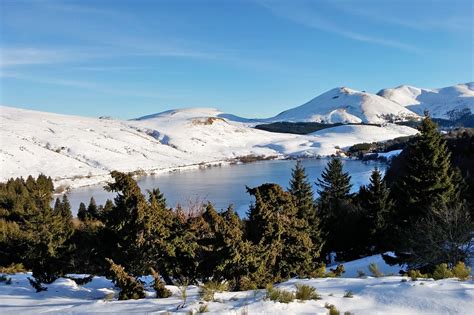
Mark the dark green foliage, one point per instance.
(303, 197)
(429, 179)
(130, 288)
(31, 232)
(159, 285)
(82, 212)
(443, 236)
(137, 228)
(281, 236)
(431, 224)
(375, 203)
(339, 217)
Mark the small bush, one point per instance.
(416, 274)
(278, 295)
(37, 285)
(183, 293)
(210, 288)
(130, 288)
(332, 309)
(461, 271)
(203, 309)
(442, 272)
(245, 284)
(306, 292)
(348, 294)
(3, 278)
(319, 272)
(374, 270)
(13, 268)
(159, 285)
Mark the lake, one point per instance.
(227, 184)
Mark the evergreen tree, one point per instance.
(82, 212)
(32, 232)
(92, 210)
(137, 227)
(429, 178)
(303, 198)
(376, 204)
(275, 227)
(336, 209)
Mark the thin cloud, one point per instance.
(81, 85)
(301, 14)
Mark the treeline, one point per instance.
(424, 215)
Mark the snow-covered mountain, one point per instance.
(77, 151)
(344, 105)
(441, 103)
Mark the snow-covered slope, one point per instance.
(439, 102)
(384, 295)
(77, 151)
(346, 106)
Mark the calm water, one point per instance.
(226, 185)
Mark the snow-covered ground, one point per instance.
(384, 295)
(77, 151)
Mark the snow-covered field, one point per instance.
(384, 295)
(77, 151)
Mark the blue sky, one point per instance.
(252, 58)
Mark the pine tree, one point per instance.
(137, 227)
(275, 227)
(303, 197)
(159, 285)
(429, 178)
(82, 212)
(426, 196)
(336, 209)
(376, 204)
(92, 210)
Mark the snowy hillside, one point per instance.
(346, 106)
(439, 102)
(77, 151)
(384, 295)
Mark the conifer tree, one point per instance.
(137, 226)
(303, 197)
(336, 209)
(376, 204)
(92, 210)
(82, 212)
(429, 178)
(275, 227)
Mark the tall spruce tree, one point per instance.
(92, 209)
(429, 178)
(137, 227)
(303, 198)
(376, 205)
(426, 196)
(82, 212)
(336, 209)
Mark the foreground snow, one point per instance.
(385, 295)
(78, 151)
